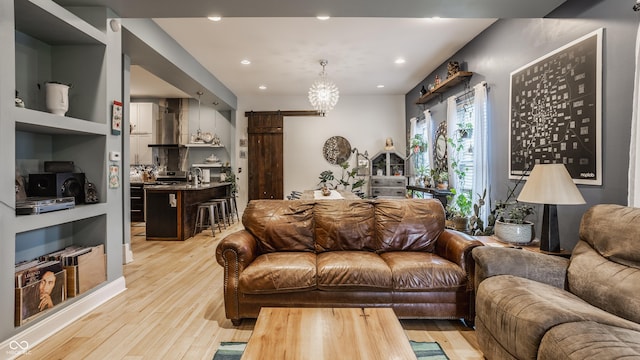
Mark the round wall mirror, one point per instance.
(336, 150)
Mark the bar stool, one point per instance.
(207, 211)
(233, 207)
(221, 203)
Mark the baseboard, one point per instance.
(20, 343)
(127, 254)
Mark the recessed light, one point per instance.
(262, 87)
(245, 62)
(400, 61)
(380, 86)
(323, 17)
(215, 18)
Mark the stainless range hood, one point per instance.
(168, 126)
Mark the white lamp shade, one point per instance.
(550, 184)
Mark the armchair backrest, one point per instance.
(605, 264)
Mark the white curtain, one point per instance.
(428, 135)
(452, 125)
(480, 147)
(412, 134)
(634, 159)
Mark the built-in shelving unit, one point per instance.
(438, 91)
(42, 42)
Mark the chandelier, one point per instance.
(323, 94)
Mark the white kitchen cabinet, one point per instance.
(142, 117)
(139, 151)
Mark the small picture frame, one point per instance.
(114, 176)
(243, 154)
(243, 142)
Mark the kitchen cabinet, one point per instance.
(141, 125)
(139, 151)
(137, 202)
(43, 42)
(164, 222)
(171, 209)
(142, 117)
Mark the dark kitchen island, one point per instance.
(171, 209)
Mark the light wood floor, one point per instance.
(173, 309)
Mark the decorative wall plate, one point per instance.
(336, 150)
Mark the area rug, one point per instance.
(423, 351)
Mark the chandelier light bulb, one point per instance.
(323, 94)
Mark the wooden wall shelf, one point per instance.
(459, 77)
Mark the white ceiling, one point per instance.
(285, 52)
(285, 41)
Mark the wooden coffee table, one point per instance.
(328, 333)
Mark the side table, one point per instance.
(492, 240)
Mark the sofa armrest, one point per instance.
(239, 247)
(492, 261)
(456, 247)
(235, 252)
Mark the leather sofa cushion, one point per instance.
(280, 225)
(279, 272)
(517, 312)
(600, 228)
(408, 224)
(589, 340)
(344, 225)
(421, 271)
(352, 270)
(608, 285)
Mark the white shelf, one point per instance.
(40, 221)
(203, 145)
(43, 122)
(211, 165)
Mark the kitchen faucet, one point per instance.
(196, 177)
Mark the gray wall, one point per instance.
(511, 43)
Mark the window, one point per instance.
(467, 118)
(463, 159)
(419, 149)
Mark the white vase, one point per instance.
(517, 234)
(57, 98)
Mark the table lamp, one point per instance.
(551, 185)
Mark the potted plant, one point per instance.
(348, 180)
(511, 225)
(442, 180)
(459, 209)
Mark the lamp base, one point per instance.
(550, 238)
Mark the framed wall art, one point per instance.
(555, 111)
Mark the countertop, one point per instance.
(184, 186)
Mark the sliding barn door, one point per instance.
(265, 155)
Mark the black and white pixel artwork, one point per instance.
(555, 111)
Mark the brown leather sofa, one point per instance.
(535, 306)
(348, 253)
